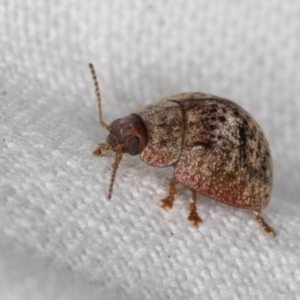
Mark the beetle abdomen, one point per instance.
(225, 154)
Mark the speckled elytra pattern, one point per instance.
(216, 147)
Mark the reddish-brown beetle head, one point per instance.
(126, 135)
(130, 132)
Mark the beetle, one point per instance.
(214, 145)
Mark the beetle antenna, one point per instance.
(115, 166)
(97, 91)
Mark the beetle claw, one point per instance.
(194, 218)
(268, 229)
(100, 149)
(167, 203)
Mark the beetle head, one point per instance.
(129, 133)
(126, 135)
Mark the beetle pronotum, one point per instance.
(215, 146)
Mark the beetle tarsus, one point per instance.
(268, 229)
(193, 216)
(100, 149)
(167, 203)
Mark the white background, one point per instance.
(60, 238)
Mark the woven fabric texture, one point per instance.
(60, 238)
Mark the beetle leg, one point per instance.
(100, 149)
(268, 229)
(167, 203)
(193, 216)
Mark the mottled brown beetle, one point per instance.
(215, 146)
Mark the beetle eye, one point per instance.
(133, 146)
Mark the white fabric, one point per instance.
(60, 236)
